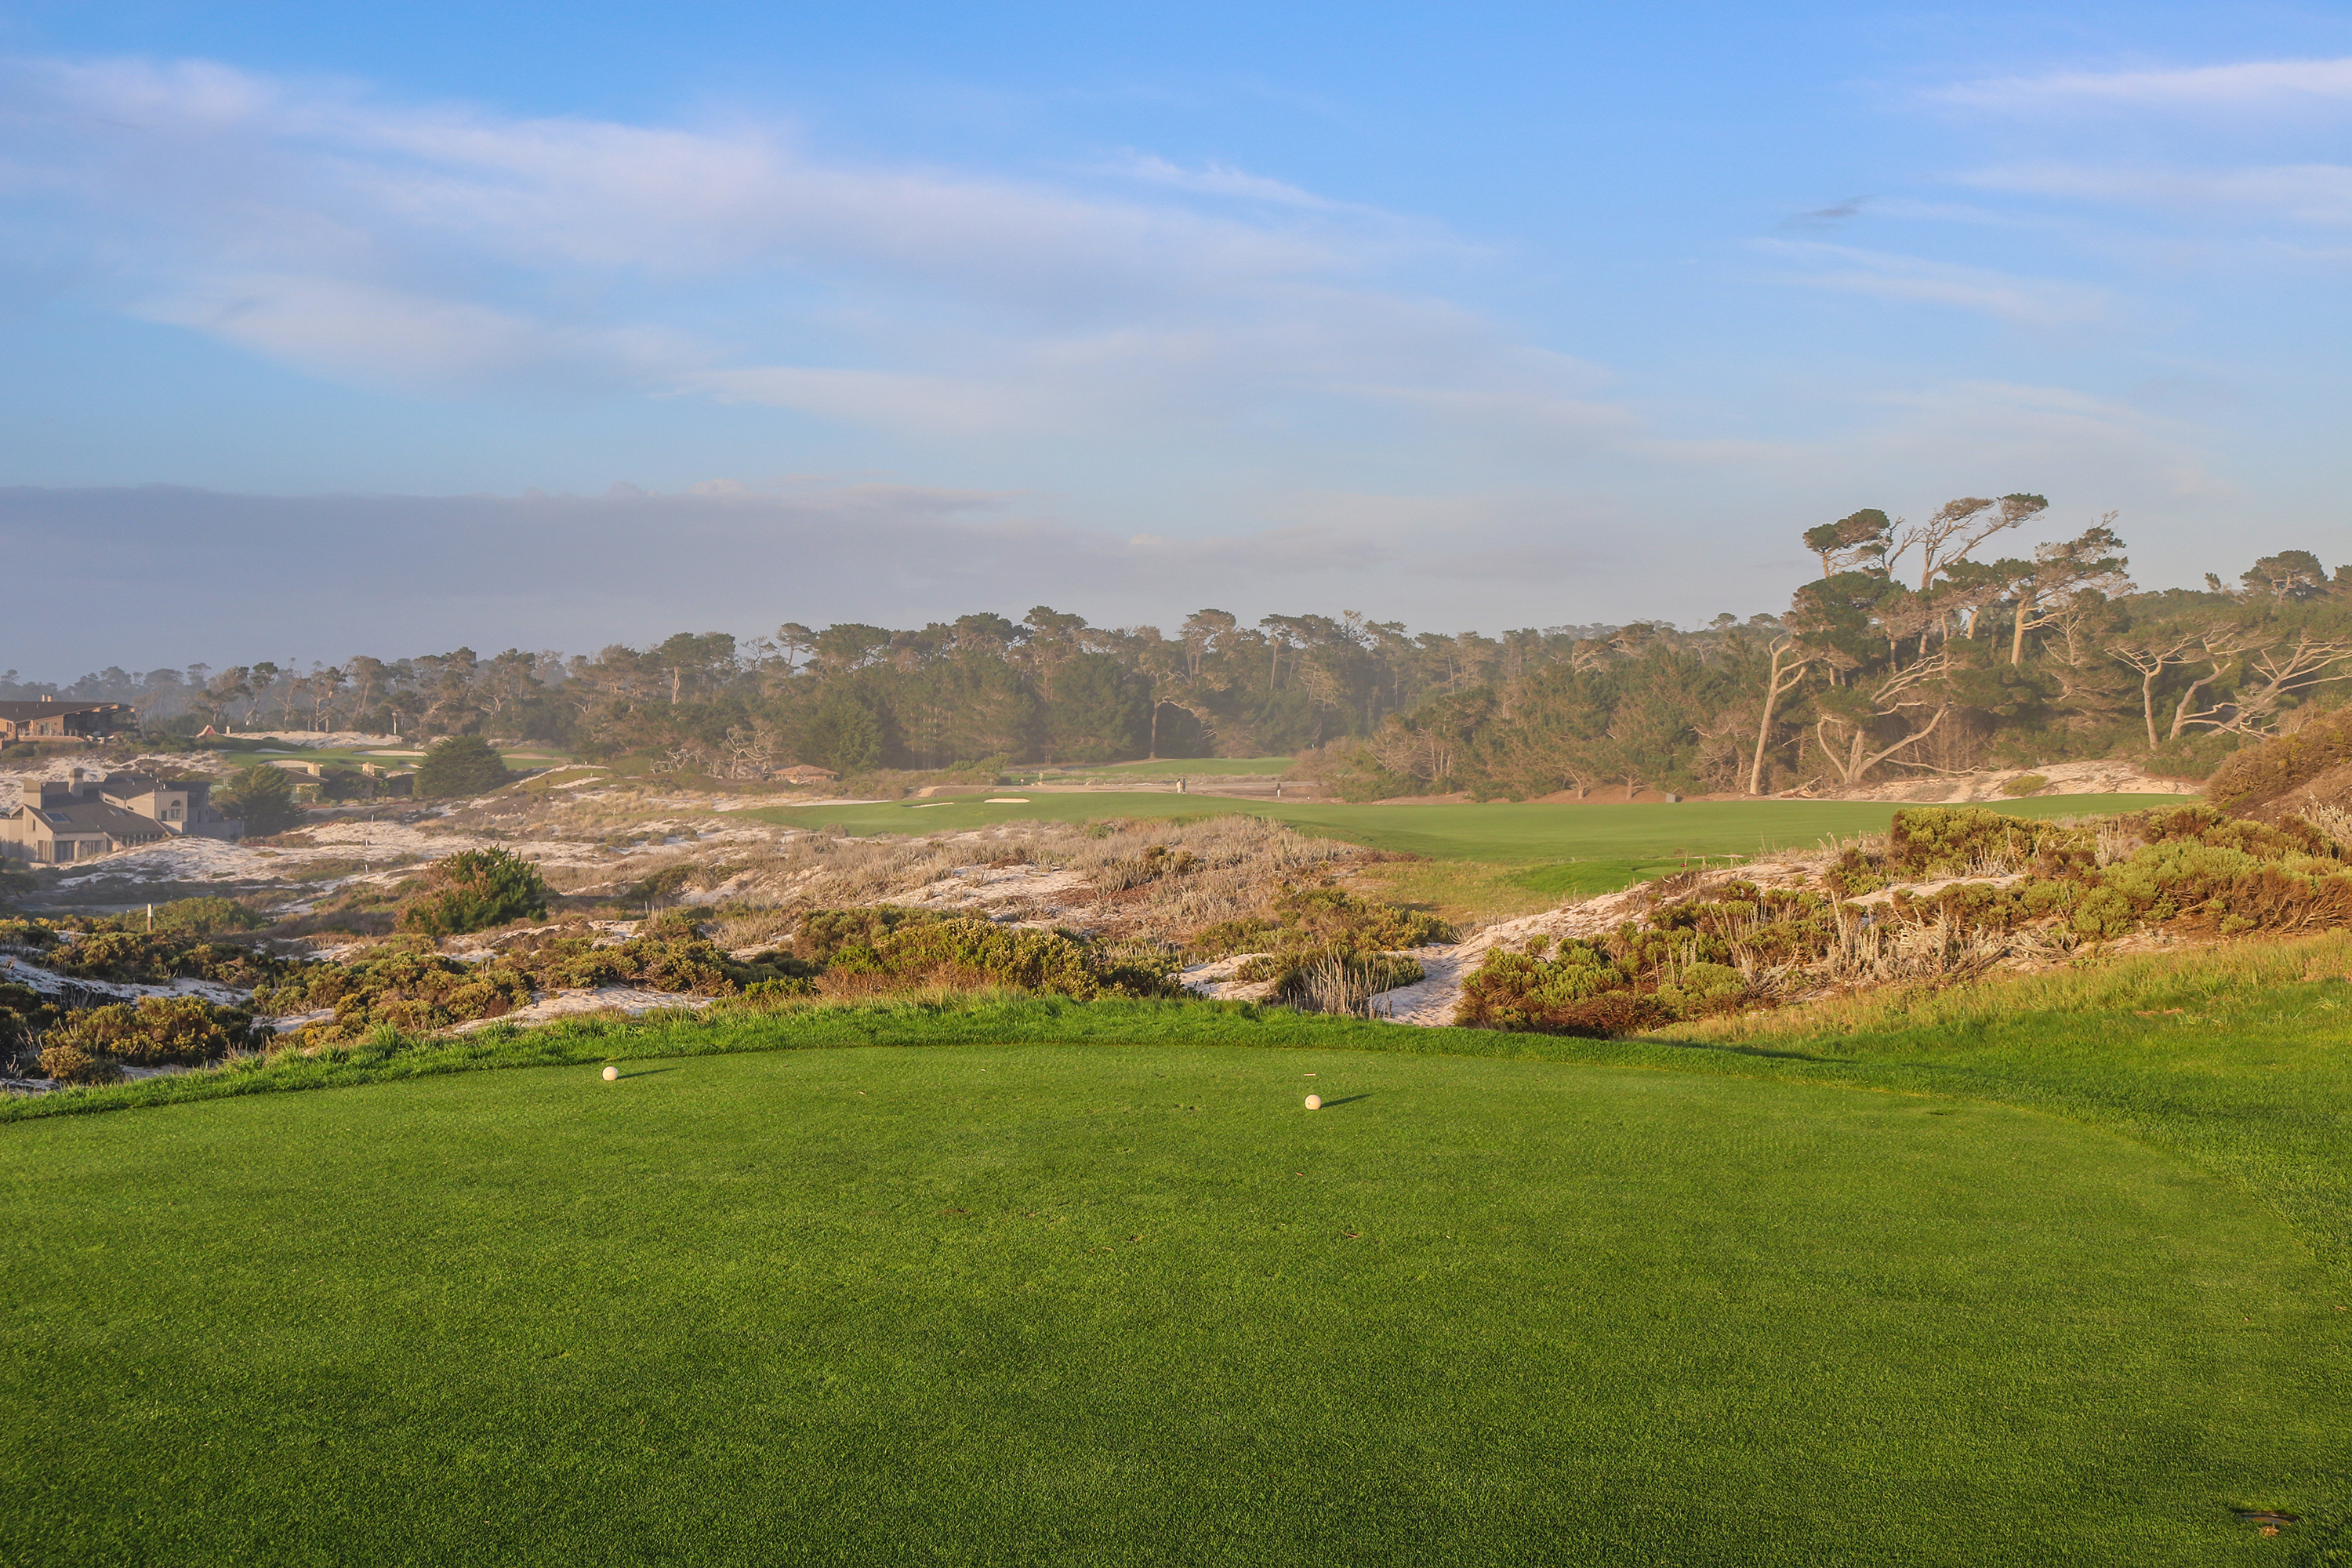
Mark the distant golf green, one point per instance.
(1086, 1305)
(1185, 767)
(1558, 848)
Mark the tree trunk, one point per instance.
(2180, 714)
(1773, 690)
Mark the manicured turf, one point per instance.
(1130, 1304)
(1184, 767)
(1552, 849)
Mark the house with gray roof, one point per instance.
(64, 723)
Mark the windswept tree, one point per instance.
(1857, 541)
(1958, 527)
(2292, 575)
(2093, 563)
(797, 641)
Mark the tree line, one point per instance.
(1918, 650)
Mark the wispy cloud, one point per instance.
(2317, 194)
(2023, 301)
(442, 248)
(1222, 180)
(2262, 85)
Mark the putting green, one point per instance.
(1091, 1305)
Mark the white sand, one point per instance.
(2065, 778)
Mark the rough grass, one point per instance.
(1180, 874)
(1129, 1304)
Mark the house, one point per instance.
(50, 720)
(87, 817)
(183, 806)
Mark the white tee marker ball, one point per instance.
(1314, 1102)
(612, 1073)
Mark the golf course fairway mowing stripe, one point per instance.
(1136, 1305)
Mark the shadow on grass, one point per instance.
(1752, 1051)
(1349, 1100)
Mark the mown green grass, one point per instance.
(2037, 1270)
(1180, 767)
(1106, 1303)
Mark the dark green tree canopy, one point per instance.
(1854, 540)
(474, 890)
(262, 797)
(462, 764)
(2294, 576)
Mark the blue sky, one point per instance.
(622, 320)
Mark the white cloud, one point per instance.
(2317, 194)
(2023, 301)
(447, 247)
(2260, 85)
(1221, 180)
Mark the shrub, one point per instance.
(34, 934)
(2257, 774)
(969, 954)
(1962, 840)
(1702, 988)
(1226, 938)
(2024, 784)
(415, 989)
(25, 1015)
(156, 1031)
(824, 932)
(460, 765)
(262, 797)
(155, 958)
(1308, 921)
(1573, 995)
(69, 1062)
(196, 917)
(406, 988)
(1333, 916)
(474, 890)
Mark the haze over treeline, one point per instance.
(1918, 649)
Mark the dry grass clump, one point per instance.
(1219, 869)
(1150, 880)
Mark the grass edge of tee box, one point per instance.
(2215, 1053)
